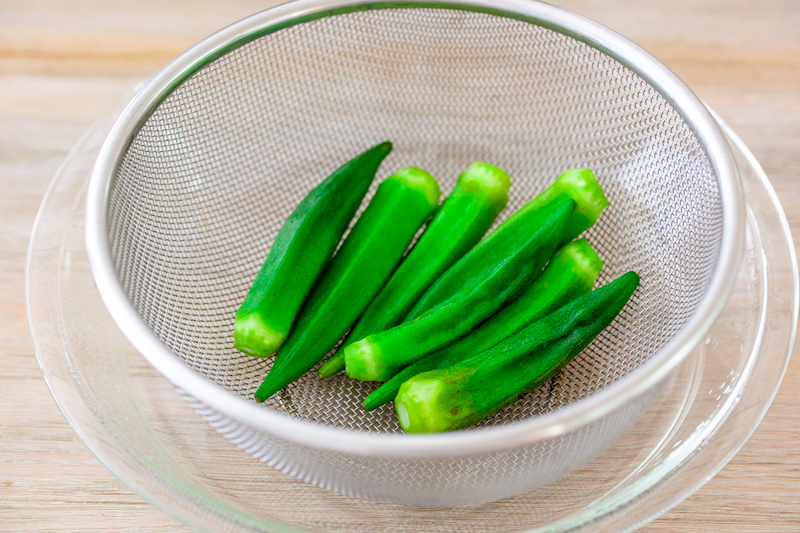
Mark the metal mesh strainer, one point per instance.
(203, 167)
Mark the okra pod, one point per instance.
(570, 273)
(366, 259)
(480, 194)
(578, 184)
(466, 393)
(301, 249)
(378, 355)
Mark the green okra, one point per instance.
(480, 194)
(301, 249)
(466, 393)
(371, 358)
(578, 184)
(366, 259)
(570, 273)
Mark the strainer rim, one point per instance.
(488, 439)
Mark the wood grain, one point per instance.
(62, 64)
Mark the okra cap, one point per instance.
(488, 181)
(435, 401)
(255, 338)
(420, 180)
(582, 186)
(581, 253)
(363, 361)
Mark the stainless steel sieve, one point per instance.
(198, 174)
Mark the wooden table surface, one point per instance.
(62, 64)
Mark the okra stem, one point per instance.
(478, 197)
(570, 273)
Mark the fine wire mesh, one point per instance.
(434, 481)
(207, 181)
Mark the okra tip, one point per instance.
(385, 147)
(371, 402)
(631, 277)
(255, 338)
(419, 180)
(332, 366)
(267, 388)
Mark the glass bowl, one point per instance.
(140, 427)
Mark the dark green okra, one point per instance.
(478, 197)
(366, 259)
(578, 184)
(466, 393)
(570, 273)
(371, 358)
(301, 249)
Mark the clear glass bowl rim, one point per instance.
(626, 512)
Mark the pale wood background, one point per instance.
(62, 64)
